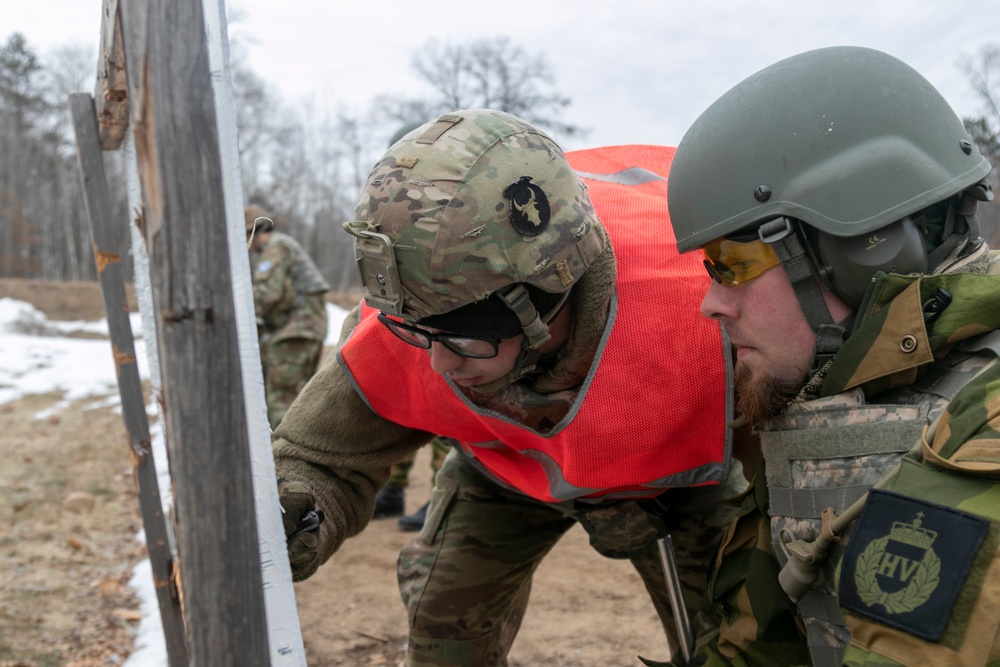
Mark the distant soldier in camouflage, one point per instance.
(288, 297)
(834, 197)
(498, 314)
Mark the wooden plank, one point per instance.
(111, 93)
(174, 126)
(110, 240)
(285, 634)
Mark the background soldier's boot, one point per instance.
(415, 521)
(389, 502)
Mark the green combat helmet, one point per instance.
(843, 158)
(472, 207)
(403, 131)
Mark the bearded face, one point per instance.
(761, 396)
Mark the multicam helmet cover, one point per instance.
(466, 205)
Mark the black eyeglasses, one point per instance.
(465, 346)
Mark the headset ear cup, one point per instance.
(850, 262)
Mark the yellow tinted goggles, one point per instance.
(733, 263)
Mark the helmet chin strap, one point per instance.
(536, 334)
(780, 235)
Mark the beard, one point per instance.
(758, 398)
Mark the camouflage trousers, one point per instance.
(288, 365)
(399, 474)
(466, 579)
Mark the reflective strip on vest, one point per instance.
(654, 409)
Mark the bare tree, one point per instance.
(983, 73)
(70, 69)
(487, 73)
(306, 162)
(24, 149)
(256, 124)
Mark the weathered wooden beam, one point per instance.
(285, 634)
(174, 126)
(111, 93)
(110, 240)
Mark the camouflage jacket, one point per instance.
(916, 577)
(288, 292)
(332, 440)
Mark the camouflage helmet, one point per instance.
(251, 215)
(467, 205)
(846, 139)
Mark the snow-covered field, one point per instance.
(38, 356)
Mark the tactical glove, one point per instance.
(301, 519)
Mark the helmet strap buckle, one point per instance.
(536, 332)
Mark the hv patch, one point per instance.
(907, 560)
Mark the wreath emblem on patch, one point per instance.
(913, 580)
(529, 207)
(891, 572)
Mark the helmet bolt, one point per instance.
(380, 278)
(762, 193)
(908, 343)
(966, 146)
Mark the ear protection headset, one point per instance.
(847, 263)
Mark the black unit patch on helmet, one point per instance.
(529, 207)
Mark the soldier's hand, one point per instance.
(301, 519)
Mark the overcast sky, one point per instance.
(637, 71)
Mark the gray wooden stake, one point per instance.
(109, 241)
(173, 122)
(279, 595)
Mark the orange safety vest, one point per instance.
(653, 412)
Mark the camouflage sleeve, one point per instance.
(759, 625)
(920, 579)
(966, 438)
(272, 281)
(332, 441)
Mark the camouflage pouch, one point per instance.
(622, 529)
(278, 316)
(442, 495)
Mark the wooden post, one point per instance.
(174, 127)
(111, 94)
(112, 106)
(284, 632)
(110, 240)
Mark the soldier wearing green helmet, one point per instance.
(511, 295)
(833, 196)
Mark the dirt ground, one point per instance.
(69, 517)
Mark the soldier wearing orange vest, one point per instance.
(560, 346)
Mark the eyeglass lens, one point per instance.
(474, 348)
